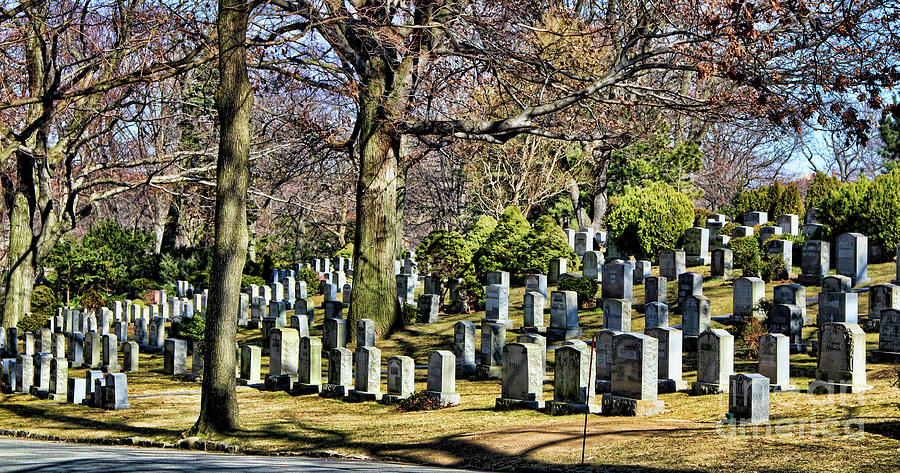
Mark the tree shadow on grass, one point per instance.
(463, 450)
(41, 413)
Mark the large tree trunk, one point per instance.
(234, 100)
(20, 271)
(374, 294)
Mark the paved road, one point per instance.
(33, 456)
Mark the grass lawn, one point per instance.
(858, 432)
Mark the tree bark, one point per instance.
(234, 100)
(374, 293)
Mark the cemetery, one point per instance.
(612, 236)
(671, 376)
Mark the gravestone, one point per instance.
(841, 365)
(656, 314)
(747, 294)
(640, 272)
(346, 294)
(775, 361)
(59, 372)
(881, 297)
(618, 281)
(115, 392)
(340, 373)
(251, 359)
(752, 219)
(157, 332)
(584, 242)
(695, 318)
(400, 379)
(574, 382)
(464, 348)
(785, 249)
(748, 398)
(789, 224)
(76, 350)
(742, 232)
(130, 353)
(669, 357)
(591, 263)
(722, 265)
(888, 338)
(655, 288)
(429, 305)
(490, 361)
(557, 266)
(564, 316)
(536, 283)
(603, 355)
(441, 384)
(28, 344)
(334, 333)
(300, 323)
(24, 373)
(838, 307)
(44, 340)
(333, 309)
(365, 333)
(496, 302)
(92, 350)
(689, 284)
(533, 307)
(696, 246)
(432, 284)
(367, 379)
(405, 288)
(540, 341)
(634, 377)
(41, 386)
(58, 350)
(75, 391)
(175, 357)
(522, 378)
(497, 277)
(792, 294)
(767, 233)
(671, 264)
(110, 353)
(309, 373)
(853, 258)
(715, 362)
(284, 355)
(836, 283)
(787, 319)
(617, 314)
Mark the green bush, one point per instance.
(700, 217)
(312, 280)
(544, 242)
(247, 280)
(140, 286)
(479, 234)
(728, 228)
(777, 199)
(92, 299)
(586, 288)
(473, 290)
(746, 336)
(31, 322)
(192, 330)
(498, 253)
(868, 207)
(409, 314)
(747, 254)
(819, 188)
(771, 267)
(43, 300)
(345, 252)
(649, 219)
(445, 254)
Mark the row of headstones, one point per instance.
(46, 377)
(295, 365)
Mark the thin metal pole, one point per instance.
(588, 398)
